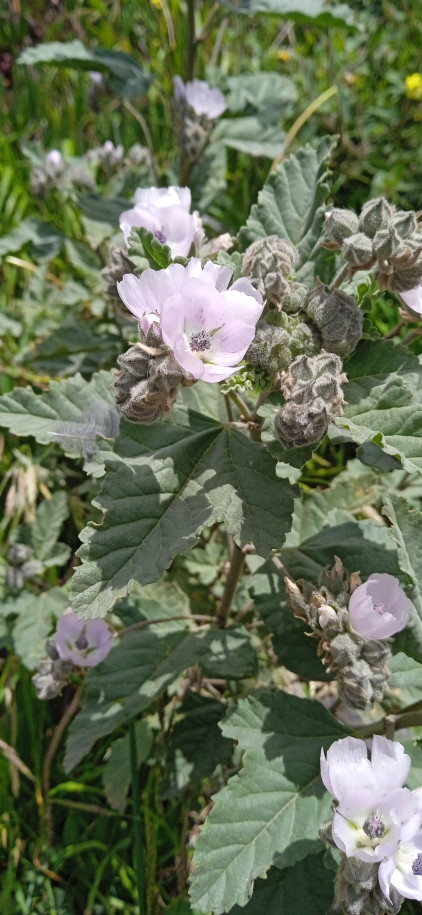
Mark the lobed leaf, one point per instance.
(270, 812)
(291, 205)
(406, 533)
(161, 488)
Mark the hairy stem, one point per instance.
(138, 850)
(340, 276)
(237, 560)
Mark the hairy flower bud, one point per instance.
(294, 300)
(270, 348)
(294, 426)
(357, 891)
(375, 215)
(387, 243)
(337, 317)
(119, 264)
(52, 674)
(314, 397)
(148, 381)
(268, 263)
(357, 250)
(340, 224)
(19, 553)
(405, 223)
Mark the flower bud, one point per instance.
(405, 223)
(19, 553)
(294, 426)
(357, 250)
(375, 215)
(14, 578)
(337, 317)
(270, 348)
(387, 243)
(404, 279)
(340, 224)
(268, 263)
(294, 300)
(31, 568)
(120, 264)
(148, 381)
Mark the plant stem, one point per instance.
(412, 336)
(58, 732)
(191, 40)
(301, 120)
(138, 850)
(237, 560)
(141, 121)
(197, 617)
(340, 276)
(241, 405)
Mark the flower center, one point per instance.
(81, 642)
(200, 341)
(380, 609)
(161, 237)
(373, 827)
(417, 866)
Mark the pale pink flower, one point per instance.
(208, 326)
(413, 299)
(379, 607)
(164, 211)
(200, 97)
(347, 767)
(54, 160)
(403, 869)
(84, 642)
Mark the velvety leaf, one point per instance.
(405, 683)
(64, 413)
(142, 665)
(117, 773)
(45, 530)
(126, 77)
(361, 545)
(36, 615)
(195, 745)
(307, 887)
(75, 348)
(313, 12)
(257, 134)
(406, 533)
(259, 91)
(270, 812)
(291, 205)
(161, 489)
(383, 401)
(45, 239)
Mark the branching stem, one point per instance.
(58, 732)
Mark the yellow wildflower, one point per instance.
(284, 55)
(414, 86)
(158, 4)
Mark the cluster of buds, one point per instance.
(55, 172)
(197, 107)
(21, 565)
(353, 629)
(108, 156)
(119, 264)
(76, 643)
(383, 239)
(268, 263)
(279, 338)
(314, 396)
(148, 381)
(377, 825)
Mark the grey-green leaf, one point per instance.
(142, 666)
(270, 812)
(164, 484)
(406, 533)
(291, 205)
(126, 77)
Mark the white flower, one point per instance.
(164, 211)
(200, 97)
(379, 607)
(208, 327)
(413, 299)
(403, 869)
(347, 767)
(369, 826)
